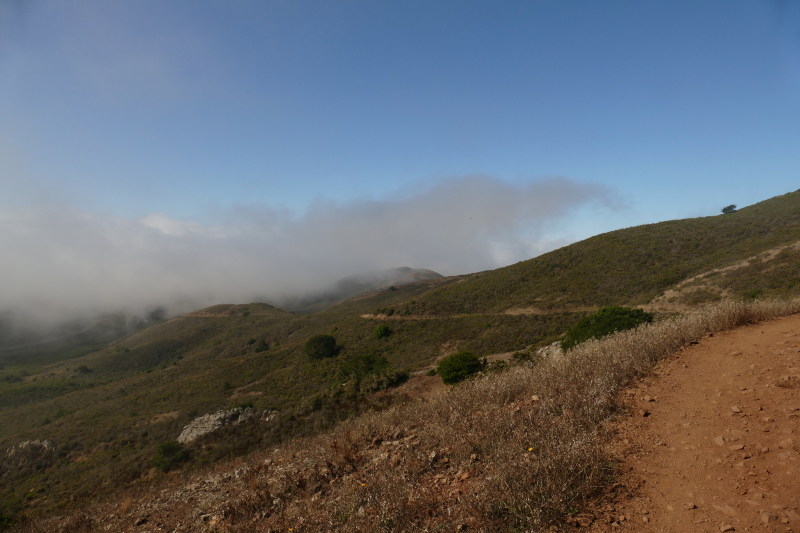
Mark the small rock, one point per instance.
(735, 409)
(690, 506)
(140, 522)
(759, 494)
(644, 412)
(719, 441)
(645, 519)
(736, 447)
(766, 518)
(726, 527)
(647, 399)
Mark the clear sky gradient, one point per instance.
(195, 110)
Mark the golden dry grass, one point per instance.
(513, 451)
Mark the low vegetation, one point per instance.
(511, 451)
(458, 367)
(170, 455)
(320, 347)
(604, 322)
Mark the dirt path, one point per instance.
(711, 439)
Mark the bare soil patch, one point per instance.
(711, 439)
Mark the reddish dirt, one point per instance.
(711, 439)
(420, 385)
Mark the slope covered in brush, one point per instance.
(629, 266)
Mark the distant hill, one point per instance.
(359, 284)
(107, 405)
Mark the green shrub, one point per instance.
(431, 372)
(381, 331)
(320, 346)
(458, 367)
(170, 455)
(604, 322)
(361, 366)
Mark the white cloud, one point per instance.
(61, 260)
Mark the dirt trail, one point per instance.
(711, 439)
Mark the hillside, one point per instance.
(559, 444)
(356, 285)
(636, 265)
(107, 407)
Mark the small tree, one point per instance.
(320, 346)
(729, 209)
(458, 367)
(381, 331)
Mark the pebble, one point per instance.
(726, 527)
(735, 409)
(719, 441)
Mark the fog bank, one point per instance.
(59, 261)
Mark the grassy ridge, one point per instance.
(625, 267)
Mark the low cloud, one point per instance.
(58, 261)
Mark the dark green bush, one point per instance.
(458, 367)
(381, 331)
(170, 455)
(604, 322)
(320, 346)
(360, 366)
(431, 372)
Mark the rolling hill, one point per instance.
(106, 411)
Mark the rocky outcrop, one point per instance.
(212, 422)
(31, 447)
(551, 350)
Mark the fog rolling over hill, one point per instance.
(355, 285)
(106, 405)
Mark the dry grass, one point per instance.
(512, 451)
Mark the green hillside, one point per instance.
(108, 405)
(634, 265)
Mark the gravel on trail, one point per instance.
(710, 439)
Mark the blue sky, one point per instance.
(221, 113)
